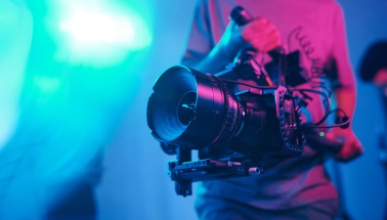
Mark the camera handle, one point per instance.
(241, 17)
(184, 186)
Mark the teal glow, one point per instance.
(46, 84)
(15, 39)
(97, 33)
(322, 134)
(67, 85)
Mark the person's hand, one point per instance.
(231, 42)
(259, 33)
(352, 147)
(262, 35)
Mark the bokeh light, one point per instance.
(98, 33)
(73, 68)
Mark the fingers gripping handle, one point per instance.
(241, 17)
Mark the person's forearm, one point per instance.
(214, 62)
(346, 100)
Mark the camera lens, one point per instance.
(192, 109)
(186, 108)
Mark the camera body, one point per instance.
(236, 119)
(233, 119)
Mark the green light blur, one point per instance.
(15, 39)
(322, 134)
(97, 33)
(67, 85)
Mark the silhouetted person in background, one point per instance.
(373, 69)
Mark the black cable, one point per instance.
(327, 105)
(245, 84)
(317, 69)
(326, 99)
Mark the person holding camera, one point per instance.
(293, 188)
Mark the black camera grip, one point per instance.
(323, 144)
(240, 16)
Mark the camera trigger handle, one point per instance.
(240, 16)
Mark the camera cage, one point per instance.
(218, 156)
(239, 163)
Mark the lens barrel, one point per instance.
(192, 109)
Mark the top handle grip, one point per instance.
(240, 16)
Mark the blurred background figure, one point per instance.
(75, 77)
(373, 69)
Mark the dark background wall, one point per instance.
(365, 183)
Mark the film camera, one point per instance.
(233, 118)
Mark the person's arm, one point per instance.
(222, 53)
(352, 147)
(211, 57)
(345, 94)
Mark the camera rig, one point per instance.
(234, 119)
